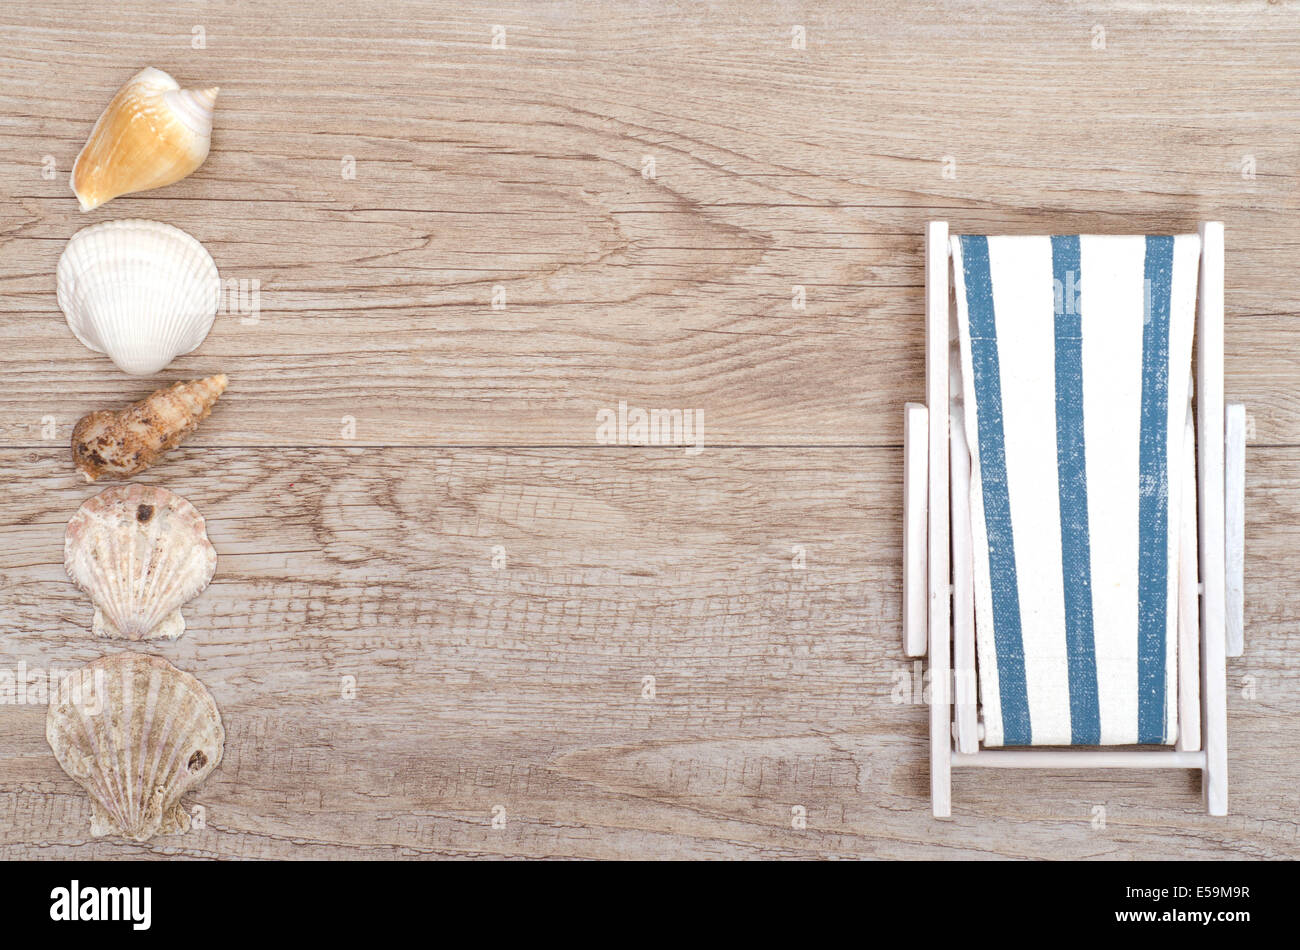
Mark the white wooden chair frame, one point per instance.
(938, 602)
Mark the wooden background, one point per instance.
(368, 553)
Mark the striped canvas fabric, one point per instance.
(1075, 361)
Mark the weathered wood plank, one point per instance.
(775, 687)
(522, 169)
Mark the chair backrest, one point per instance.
(1075, 363)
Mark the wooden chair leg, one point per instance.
(936, 393)
(1210, 446)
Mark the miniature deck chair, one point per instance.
(1054, 491)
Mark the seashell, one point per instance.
(137, 734)
(153, 133)
(140, 552)
(123, 443)
(140, 291)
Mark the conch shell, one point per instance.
(153, 133)
(141, 553)
(137, 734)
(125, 442)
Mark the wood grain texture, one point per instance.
(774, 687)
(368, 553)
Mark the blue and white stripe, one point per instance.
(1071, 460)
(1079, 400)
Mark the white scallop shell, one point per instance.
(137, 734)
(141, 291)
(140, 552)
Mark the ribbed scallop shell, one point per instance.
(140, 291)
(152, 133)
(137, 734)
(140, 552)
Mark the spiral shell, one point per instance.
(137, 734)
(125, 442)
(153, 133)
(140, 552)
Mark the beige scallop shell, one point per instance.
(140, 552)
(137, 734)
(152, 133)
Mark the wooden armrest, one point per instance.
(1234, 524)
(915, 463)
